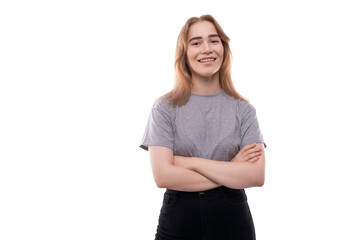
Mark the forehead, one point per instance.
(201, 29)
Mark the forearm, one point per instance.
(182, 179)
(236, 175)
(168, 175)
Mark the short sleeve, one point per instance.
(159, 129)
(249, 126)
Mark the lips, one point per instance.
(204, 60)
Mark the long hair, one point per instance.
(183, 83)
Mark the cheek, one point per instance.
(189, 63)
(190, 55)
(221, 52)
(221, 59)
(190, 58)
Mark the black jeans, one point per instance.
(217, 214)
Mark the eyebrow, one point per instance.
(211, 35)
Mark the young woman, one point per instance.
(205, 143)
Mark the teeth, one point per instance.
(207, 60)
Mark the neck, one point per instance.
(206, 85)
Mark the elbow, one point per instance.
(257, 178)
(161, 177)
(256, 182)
(260, 181)
(160, 183)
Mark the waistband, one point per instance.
(206, 192)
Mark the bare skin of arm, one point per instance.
(247, 169)
(167, 175)
(196, 174)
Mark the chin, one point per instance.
(208, 74)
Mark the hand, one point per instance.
(249, 153)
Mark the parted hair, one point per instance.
(181, 92)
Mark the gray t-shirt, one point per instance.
(208, 126)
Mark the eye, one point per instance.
(195, 43)
(214, 41)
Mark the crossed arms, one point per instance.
(246, 169)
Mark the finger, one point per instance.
(246, 157)
(247, 147)
(254, 159)
(252, 155)
(253, 149)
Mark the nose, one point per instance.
(206, 47)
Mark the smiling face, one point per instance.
(205, 51)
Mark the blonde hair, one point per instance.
(183, 84)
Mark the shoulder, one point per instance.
(229, 99)
(162, 106)
(245, 109)
(241, 105)
(162, 103)
(245, 106)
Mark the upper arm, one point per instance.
(161, 158)
(159, 130)
(249, 126)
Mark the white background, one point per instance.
(78, 79)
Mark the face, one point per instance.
(205, 50)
